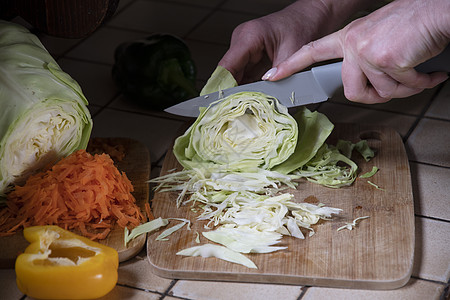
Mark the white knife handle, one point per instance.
(330, 79)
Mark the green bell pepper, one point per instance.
(156, 72)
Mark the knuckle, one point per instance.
(310, 46)
(387, 95)
(352, 38)
(383, 59)
(249, 28)
(351, 95)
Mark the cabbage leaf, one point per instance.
(313, 130)
(221, 252)
(220, 79)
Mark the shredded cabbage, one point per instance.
(352, 225)
(370, 173)
(144, 228)
(164, 235)
(245, 239)
(324, 168)
(346, 148)
(210, 250)
(241, 156)
(375, 185)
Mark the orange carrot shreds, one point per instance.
(82, 192)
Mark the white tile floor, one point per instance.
(206, 25)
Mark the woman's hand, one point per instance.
(381, 50)
(258, 44)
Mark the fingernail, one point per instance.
(269, 74)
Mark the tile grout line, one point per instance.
(446, 292)
(130, 111)
(201, 21)
(103, 107)
(429, 280)
(432, 218)
(138, 288)
(95, 62)
(429, 164)
(169, 288)
(303, 289)
(421, 116)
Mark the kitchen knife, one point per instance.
(316, 85)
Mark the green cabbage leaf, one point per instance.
(220, 79)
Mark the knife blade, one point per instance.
(314, 86)
(302, 88)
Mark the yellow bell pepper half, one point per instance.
(59, 264)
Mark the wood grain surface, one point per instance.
(377, 254)
(136, 165)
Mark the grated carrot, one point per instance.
(82, 192)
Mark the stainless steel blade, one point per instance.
(298, 89)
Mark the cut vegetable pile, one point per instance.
(43, 115)
(240, 157)
(82, 192)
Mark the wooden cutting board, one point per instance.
(377, 254)
(136, 165)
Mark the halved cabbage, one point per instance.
(244, 131)
(43, 114)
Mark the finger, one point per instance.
(379, 90)
(411, 78)
(388, 88)
(328, 47)
(369, 94)
(383, 84)
(356, 84)
(366, 84)
(403, 91)
(409, 83)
